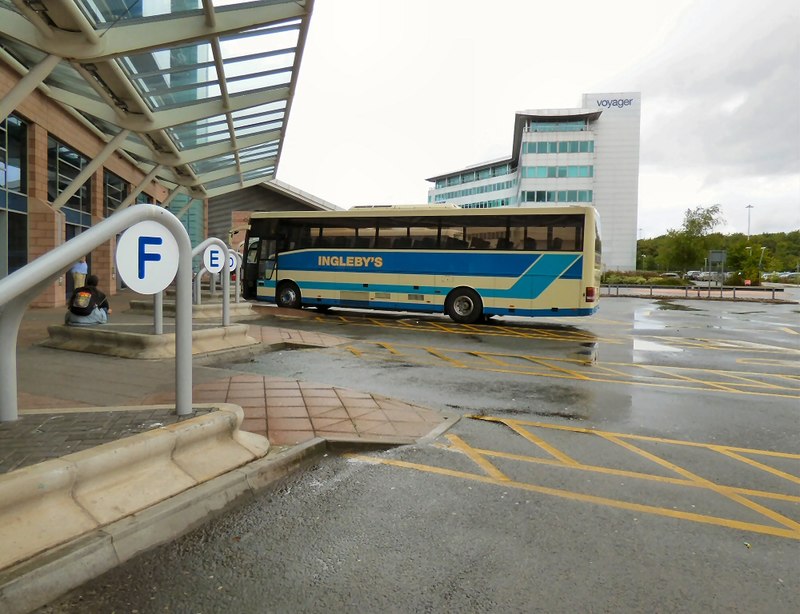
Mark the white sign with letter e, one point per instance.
(147, 257)
(214, 259)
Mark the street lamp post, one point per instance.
(748, 207)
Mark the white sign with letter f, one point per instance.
(147, 257)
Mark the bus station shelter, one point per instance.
(171, 102)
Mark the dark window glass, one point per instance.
(17, 241)
(63, 166)
(115, 190)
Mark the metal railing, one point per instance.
(655, 290)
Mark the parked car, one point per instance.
(670, 275)
(693, 275)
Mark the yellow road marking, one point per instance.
(442, 327)
(544, 363)
(489, 357)
(686, 377)
(354, 351)
(786, 329)
(756, 464)
(389, 347)
(671, 373)
(462, 446)
(772, 362)
(441, 356)
(749, 492)
(677, 442)
(551, 450)
(722, 490)
(565, 494)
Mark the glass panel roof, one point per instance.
(251, 154)
(112, 11)
(7, 4)
(187, 78)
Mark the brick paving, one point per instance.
(43, 435)
(53, 422)
(290, 412)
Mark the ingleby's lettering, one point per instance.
(351, 261)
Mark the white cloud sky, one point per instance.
(390, 93)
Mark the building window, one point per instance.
(542, 172)
(560, 196)
(576, 126)
(13, 199)
(63, 166)
(543, 147)
(115, 191)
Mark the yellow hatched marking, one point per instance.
(771, 362)
(551, 450)
(389, 347)
(722, 490)
(442, 356)
(630, 474)
(786, 329)
(377, 322)
(474, 329)
(490, 357)
(687, 378)
(565, 494)
(677, 442)
(669, 378)
(462, 446)
(515, 333)
(599, 367)
(544, 363)
(756, 464)
(442, 327)
(753, 383)
(354, 351)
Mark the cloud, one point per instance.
(723, 91)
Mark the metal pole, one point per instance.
(26, 85)
(158, 313)
(226, 279)
(748, 207)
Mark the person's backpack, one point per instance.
(83, 302)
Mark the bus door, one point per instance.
(260, 264)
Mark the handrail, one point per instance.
(21, 287)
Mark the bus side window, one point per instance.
(252, 250)
(266, 261)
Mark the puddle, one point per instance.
(640, 345)
(667, 306)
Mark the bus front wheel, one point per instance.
(288, 295)
(464, 305)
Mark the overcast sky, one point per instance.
(391, 93)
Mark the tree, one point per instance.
(685, 248)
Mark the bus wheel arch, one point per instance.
(287, 295)
(464, 305)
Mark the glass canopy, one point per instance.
(204, 87)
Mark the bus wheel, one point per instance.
(288, 295)
(464, 305)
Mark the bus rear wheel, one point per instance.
(464, 305)
(288, 295)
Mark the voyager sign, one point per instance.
(607, 103)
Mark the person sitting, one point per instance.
(87, 305)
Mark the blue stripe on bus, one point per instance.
(477, 264)
(541, 274)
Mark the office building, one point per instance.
(586, 155)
